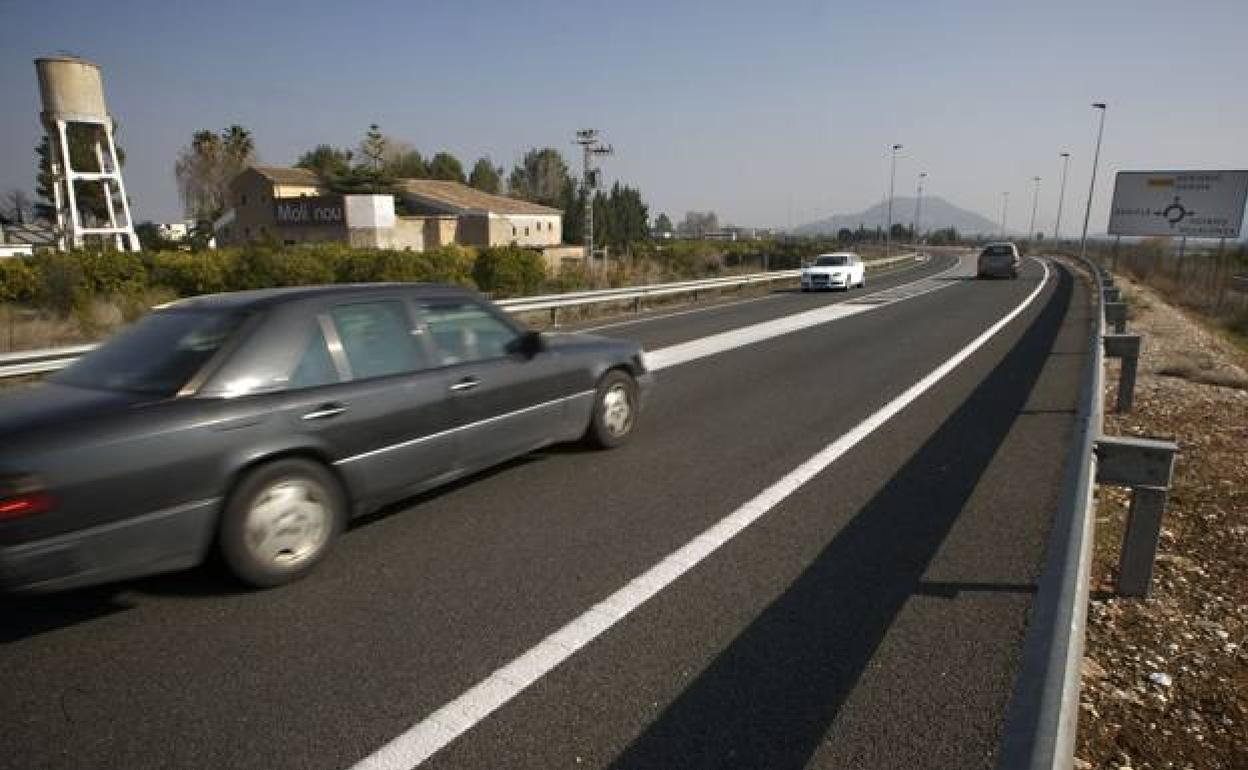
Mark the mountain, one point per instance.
(937, 213)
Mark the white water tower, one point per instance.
(74, 112)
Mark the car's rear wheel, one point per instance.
(615, 410)
(280, 521)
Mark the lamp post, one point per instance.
(1035, 199)
(918, 207)
(1005, 207)
(1061, 196)
(1096, 158)
(888, 230)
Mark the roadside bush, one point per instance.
(509, 271)
(188, 274)
(63, 286)
(18, 280)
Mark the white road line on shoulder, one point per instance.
(892, 271)
(431, 734)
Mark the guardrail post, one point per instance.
(1146, 466)
(637, 305)
(1127, 348)
(554, 318)
(1116, 314)
(1112, 294)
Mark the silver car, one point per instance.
(999, 260)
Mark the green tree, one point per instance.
(373, 148)
(325, 161)
(541, 177)
(663, 224)
(447, 167)
(206, 167)
(486, 176)
(406, 163)
(844, 235)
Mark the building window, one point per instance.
(242, 199)
(513, 229)
(526, 231)
(246, 232)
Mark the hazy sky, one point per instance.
(766, 112)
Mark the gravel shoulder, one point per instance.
(1165, 681)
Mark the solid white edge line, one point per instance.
(411, 748)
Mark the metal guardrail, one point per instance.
(52, 359)
(1040, 723)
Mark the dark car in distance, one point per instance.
(258, 423)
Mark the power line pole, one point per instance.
(1005, 207)
(1035, 199)
(918, 208)
(1061, 196)
(1087, 214)
(888, 230)
(587, 138)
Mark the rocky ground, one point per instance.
(1165, 680)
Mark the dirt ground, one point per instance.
(1165, 680)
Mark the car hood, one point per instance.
(51, 405)
(576, 343)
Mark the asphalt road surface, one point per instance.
(869, 614)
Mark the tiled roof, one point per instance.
(460, 198)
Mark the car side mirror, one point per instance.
(529, 344)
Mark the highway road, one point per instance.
(819, 550)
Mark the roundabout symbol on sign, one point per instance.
(1175, 213)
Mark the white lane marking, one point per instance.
(634, 321)
(431, 734)
(748, 335)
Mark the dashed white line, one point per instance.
(431, 734)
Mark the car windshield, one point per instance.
(998, 251)
(157, 355)
(834, 261)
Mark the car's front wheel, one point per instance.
(615, 410)
(280, 521)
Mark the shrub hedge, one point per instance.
(66, 283)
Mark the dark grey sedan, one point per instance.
(258, 423)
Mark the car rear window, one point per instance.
(998, 251)
(157, 355)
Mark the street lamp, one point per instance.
(892, 178)
(918, 207)
(1096, 158)
(1057, 225)
(1005, 207)
(1035, 199)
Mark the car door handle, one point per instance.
(325, 411)
(468, 383)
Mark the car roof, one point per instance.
(990, 244)
(256, 299)
(837, 254)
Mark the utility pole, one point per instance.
(1096, 159)
(1005, 207)
(1061, 196)
(918, 207)
(587, 138)
(1035, 199)
(888, 230)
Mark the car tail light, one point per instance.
(23, 496)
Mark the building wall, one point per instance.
(252, 196)
(533, 229)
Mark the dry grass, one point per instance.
(23, 328)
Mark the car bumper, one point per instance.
(173, 539)
(997, 271)
(830, 283)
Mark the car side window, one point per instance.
(377, 339)
(466, 331)
(315, 366)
